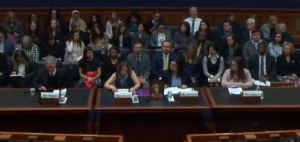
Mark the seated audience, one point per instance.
(24, 67)
(141, 36)
(161, 60)
(82, 35)
(75, 17)
(98, 38)
(213, 65)
(110, 64)
(140, 63)
(221, 35)
(237, 75)
(6, 46)
(124, 77)
(95, 20)
(287, 64)
(193, 20)
(183, 36)
(55, 30)
(262, 66)
(268, 29)
(132, 22)
(191, 63)
(13, 26)
(201, 45)
(52, 47)
(235, 25)
(31, 50)
(112, 25)
(176, 76)
(251, 46)
(35, 34)
(246, 34)
(53, 14)
(74, 49)
(32, 18)
(230, 50)
(276, 45)
(281, 28)
(122, 38)
(160, 35)
(205, 26)
(151, 25)
(51, 76)
(3, 70)
(89, 69)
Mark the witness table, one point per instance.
(150, 120)
(278, 110)
(22, 112)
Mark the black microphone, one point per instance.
(71, 76)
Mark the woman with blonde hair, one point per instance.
(112, 25)
(268, 29)
(14, 28)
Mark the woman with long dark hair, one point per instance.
(237, 75)
(124, 77)
(230, 50)
(205, 26)
(89, 69)
(98, 38)
(35, 34)
(75, 46)
(183, 36)
(95, 19)
(276, 45)
(122, 38)
(176, 75)
(52, 47)
(132, 21)
(110, 64)
(32, 18)
(24, 68)
(55, 30)
(54, 14)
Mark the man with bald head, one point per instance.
(193, 20)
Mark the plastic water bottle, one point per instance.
(170, 94)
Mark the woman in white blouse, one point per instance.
(112, 24)
(74, 47)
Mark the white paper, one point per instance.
(123, 90)
(171, 99)
(260, 83)
(16, 75)
(176, 90)
(56, 91)
(235, 91)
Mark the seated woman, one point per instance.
(112, 24)
(281, 28)
(183, 36)
(75, 17)
(98, 38)
(287, 64)
(160, 35)
(230, 50)
(3, 70)
(122, 38)
(35, 34)
(110, 64)
(124, 77)
(95, 19)
(213, 65)
(32, 17)
(237, 75)
(53, 48)
(176, 76)
(141, 36)
(13, 26)
(24, 67)
(205, 26)
(54, 30)
(268, 29)
(132, 22)
(89, 69)
(276, 45)
(191, 62)
(74, 49)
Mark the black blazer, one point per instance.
(108, 68)
(185, 78)
(149, 25)
(30, 70)
(237, 52)
(285, 68)
(245, 36)
(3, 64)
(41, 79)
(253, 66)
(115, 41)
(57, 51)
(209, 35)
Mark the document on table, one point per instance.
(235, 91)
(123, 90)
(176, 90)
(16, 75)
(261, 83)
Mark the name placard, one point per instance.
(49, 95)
(123, 94)
(189, 94)
(252, 93)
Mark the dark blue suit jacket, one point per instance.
(157, 64)
(9, 49)
(185, 78)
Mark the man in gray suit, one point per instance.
(250, 47)
(155, 40)
(140, 63)
(6, 46)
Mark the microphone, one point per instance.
(71, 76)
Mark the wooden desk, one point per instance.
(278, 110)
(22, 112)
(150, 120)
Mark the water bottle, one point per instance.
(170, 94)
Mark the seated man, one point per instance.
(31, 50)
(262, 66)
(140, 63)
(51, 77)
(250, 47)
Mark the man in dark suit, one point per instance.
(6, 46)
(51, 77)
(151, 25)
(161, 60)
(247, 34)
(262, 66)
(201, 45)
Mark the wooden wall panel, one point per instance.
(172, 16)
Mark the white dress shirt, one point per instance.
(196, 23)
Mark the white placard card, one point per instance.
(252, 93)
(49, 95)
(189, 94)
(123, 94)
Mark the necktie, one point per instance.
(165, 62)
(193, 27)
(262, 66)
(138, 65)
(199, 50)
